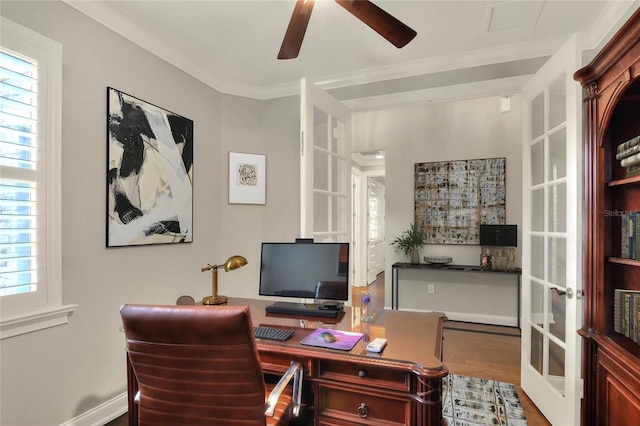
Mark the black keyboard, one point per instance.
(271, 333)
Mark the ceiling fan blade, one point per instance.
(296, 29)
(380, 21)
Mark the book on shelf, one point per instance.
(630, 160)
(626, 313)
(628, 144)
(633, 235)
(628, 152)
(624, 235)
(633, 170)
(636, 235)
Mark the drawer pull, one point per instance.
(363, 410)
(362, 374)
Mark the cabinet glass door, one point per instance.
(552, 275)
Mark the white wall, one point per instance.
(52, 376)
(441, 131)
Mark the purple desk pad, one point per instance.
(345, 340)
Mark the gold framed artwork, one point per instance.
(453, 198)
(247, 178)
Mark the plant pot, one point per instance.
(415, 256)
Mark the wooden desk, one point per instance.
(400, 386)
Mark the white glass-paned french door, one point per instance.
(551, 266)
(325, 166)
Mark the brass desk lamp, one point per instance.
(234, 262)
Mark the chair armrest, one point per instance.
(294, 372)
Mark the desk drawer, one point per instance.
(337, 406)
(365, 375)
(278, 363)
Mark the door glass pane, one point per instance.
(558, 154)
(537, 257)
(536, 349)
(557, 208)
(321, 170)
(335, 174)
(557, 261)
(537, 163)
(537, 303)
(337, 127)
(537, 116)
(537, 210)
(558, 312)
(320, 212)
(320, 126)
(556, 366)
(557, 102)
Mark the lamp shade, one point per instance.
(234, 262)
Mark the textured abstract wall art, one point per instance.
(247, 178)
(149, 176)
(452, 199)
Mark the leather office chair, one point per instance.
(185, 300)
(198, 365)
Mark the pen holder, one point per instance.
(365, 306)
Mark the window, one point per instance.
(30, 260)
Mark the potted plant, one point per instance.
(410, 242)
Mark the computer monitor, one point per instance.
(305, 270)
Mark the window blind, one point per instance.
(18, 173)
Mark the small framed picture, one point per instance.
(247, 178)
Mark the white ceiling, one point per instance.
(462, 47)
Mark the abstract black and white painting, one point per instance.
(247, 178)
(149, 176)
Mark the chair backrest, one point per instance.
(336, 290)
(185, 300)
(195, 365)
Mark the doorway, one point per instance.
(368, 215)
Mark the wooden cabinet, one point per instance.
(612, 116)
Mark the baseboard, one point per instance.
(102, 414)
(476, 318)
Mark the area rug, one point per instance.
(469, 401)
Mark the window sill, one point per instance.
(35, 320)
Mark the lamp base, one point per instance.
(214, 300)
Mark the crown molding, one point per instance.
(105, 15)
(498, 87)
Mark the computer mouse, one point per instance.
(325, 336)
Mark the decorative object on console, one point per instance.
(234, 262)
(452, 198)
(410, 242)
(149, 169)
(498, 247)
(247, 178)
(438, 260)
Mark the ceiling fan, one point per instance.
(396, 32)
